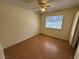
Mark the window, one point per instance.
(54, 22)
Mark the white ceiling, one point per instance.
(30, 4)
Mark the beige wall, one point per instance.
(72, 37)
(1, 52)
(77, 52)
(17, 24)
(67, 22)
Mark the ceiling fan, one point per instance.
(43, 5)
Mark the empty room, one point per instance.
(39, 29)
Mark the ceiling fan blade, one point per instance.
(35, 8)
(52, 1)
(50, 6)
(28, 1)
(42, 1)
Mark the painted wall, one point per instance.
(74, 25)
(77, 53)
(64, 33)
(17, 24)
(1, 52)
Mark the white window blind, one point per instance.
(54, 22)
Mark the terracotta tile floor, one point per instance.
(40, 47)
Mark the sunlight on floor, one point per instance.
(51, 46)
